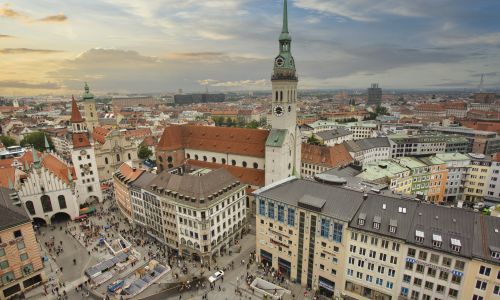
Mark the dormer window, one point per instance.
(376, 222)
(361, 219)
(419, 236)
(456, 245)
(393, 225)
(437, 240)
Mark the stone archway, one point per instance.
(39, 222)
(60, 217)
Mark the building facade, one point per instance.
(122, 179)
(457, 168)
(21, 266)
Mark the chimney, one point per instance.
(365, 196)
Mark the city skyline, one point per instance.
(164, 45)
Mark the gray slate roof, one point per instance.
(367, 144)
(486, 237)
(393, 214)
(194, 185)
(333, 134)
(447, 222)
(143, 180)
(10, 214)
(340, 203)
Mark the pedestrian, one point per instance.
(219, 288)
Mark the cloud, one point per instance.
(54, 19)
(197, 56)
(235, 84)
(9, 12)
(484, 39)
(27, 51)
(5, 36)
(25, 85)
(216, 36)
(489, 74)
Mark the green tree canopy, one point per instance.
(144, 152)
(37, 140)
(313, 140)
(7, 141)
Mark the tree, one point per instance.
(313, 140)
(381, 110)
(253, 124)
(144, 152)
(37, 140)
(7, 141)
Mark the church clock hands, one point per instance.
(278, 111)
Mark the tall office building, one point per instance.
(374, 95)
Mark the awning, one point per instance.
(87, 210)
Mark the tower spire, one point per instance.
(47, 145)
(285, 17)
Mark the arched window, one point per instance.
(78, 127)
(129, 156)
(62, 202)
(188, 156)
(281, 96)
(196, 156)
(233, 162)
(118, 157)
(223, 161)
(255, 165)
(169, 159)
(214, 160)
(277, 98)
(244, 164)
(30, 207)
(46, 204)
(106, 161)
(204, 158)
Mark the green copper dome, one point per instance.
(87, 95)
(284, 65)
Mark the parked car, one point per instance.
(216, 276)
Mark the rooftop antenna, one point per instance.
(480, 87)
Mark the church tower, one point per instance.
(283, 147)
(91, 117)
(87, 179)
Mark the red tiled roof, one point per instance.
(100, 134)
(57, 167)
(76, 117)
(430, 107)
(80, 140)
(255, 177)
(5, 174)
(242, 141)
(129, 172)
(136, 133)
(333, 157)
(482, 125)
(149, 141)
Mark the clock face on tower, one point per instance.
(278, 111)
(280, 61)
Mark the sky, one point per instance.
(134, 46)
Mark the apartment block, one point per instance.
(476, 178)
(457, 168)
(21, 266)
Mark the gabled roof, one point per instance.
(58, 168)
(137, 133)
(130, 174)
(333, 157)
(76, 117)
(99, 134)
(486, 237)
(242, 141)
(11, 215)
(367, 144)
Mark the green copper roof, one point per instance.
(276, 137)
(452, 157)
(284, 31)
(47, 145)
(87, 95)
(284, 65)
(381, 169)
(36, 161)
(412, 162)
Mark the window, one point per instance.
(409, 265)
(459, 265)
(337, 232)
(447, 261)
(481, 285)
(129, 156)
(456, 279)
(2, 251)
(389, 285)
(394, 260)
(411, 252)
(434, 258)
(417, 281)
(23, 256)
(20, 245)
(369, 278)
(7, 277)
(46, 204)
(4, 264)
(420, 268)
(476, 297)
(62, 202)
(118, 157)
(325, 228)
(404, 292)
(443, 275)
(406, 278)
(496, 290)
(431, 272)
(223, 161)
(385, 244)
(485, 271)
(18, 234)
(270, 211)
(281, 213)
(291, 217)
(422, 255)
(379, 281)
(30, 207)
(440, 289)
(262, 207)
(233, 162)
(391, 272)
(419, 236)
(452, 293)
